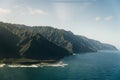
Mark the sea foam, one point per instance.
(59, 64)
(2, 65)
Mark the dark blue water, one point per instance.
(103, 65)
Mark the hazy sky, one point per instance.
(96, 19)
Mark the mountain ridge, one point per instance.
(18, 42)
(43, 43)
(62, 38)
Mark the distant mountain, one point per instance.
(71, 42)
(43, 43)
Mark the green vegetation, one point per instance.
(23, 44)
(71, 42)
(18, 42)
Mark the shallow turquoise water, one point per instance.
(103, 65)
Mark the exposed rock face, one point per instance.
(71, 42)
(17, 42)
(43, 43)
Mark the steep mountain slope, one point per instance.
(8, 41)
(18, 42)
(43, 43)
(71, 42)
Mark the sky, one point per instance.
(96, 19)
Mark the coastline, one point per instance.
(41, 64)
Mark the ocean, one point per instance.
(101, 65)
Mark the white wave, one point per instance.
(2, 65)
(15, 66)
(59, 64)
(74, 54)
(54, 65)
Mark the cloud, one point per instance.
(62, 11)
(37, 11)
(72, 1)
(27, 10)
(4, 11)
(108, 18)
(97, 18)
(66, 12)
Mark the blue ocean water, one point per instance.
(102, 65)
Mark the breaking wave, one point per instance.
(59, 64)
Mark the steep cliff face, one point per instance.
(43, 43)
(71, 42)
(18, 42)
(65, 39)
(101, 46)
(40, 48)
(8, 43)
